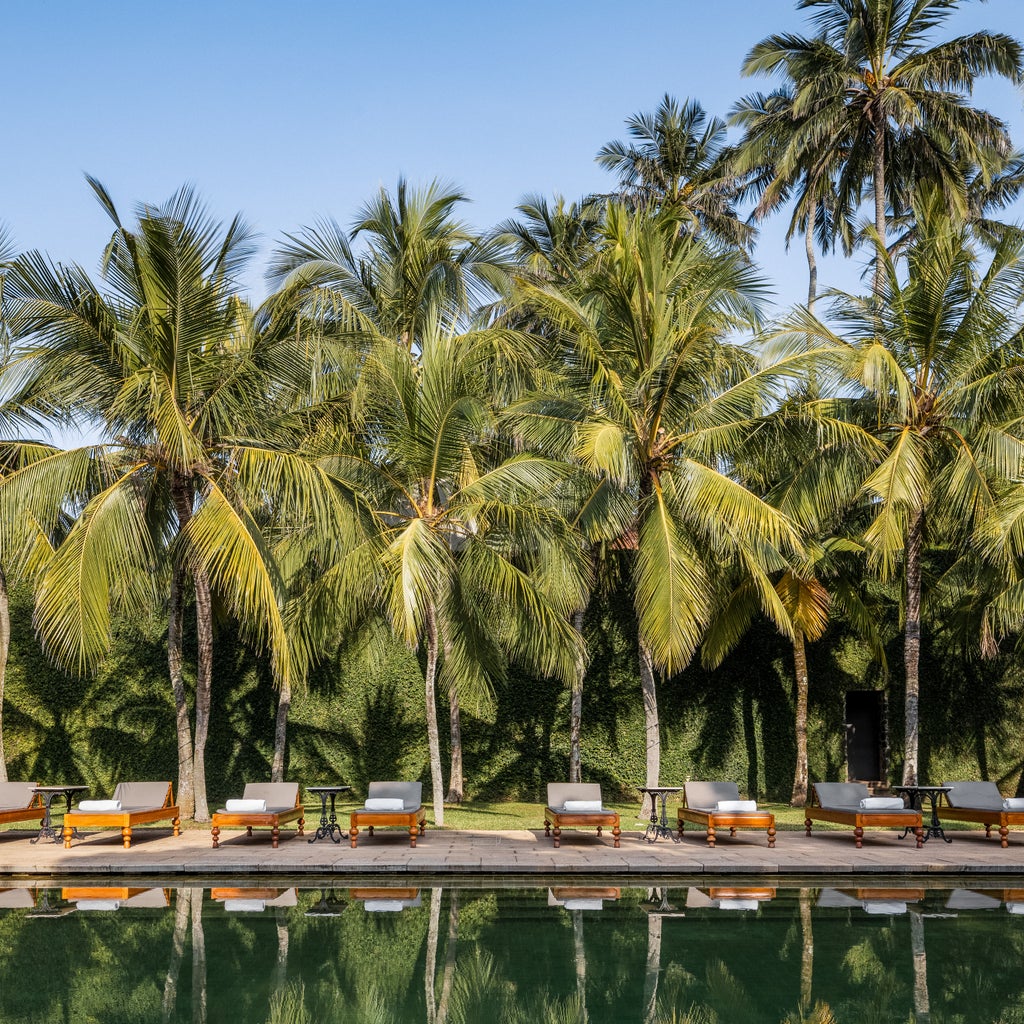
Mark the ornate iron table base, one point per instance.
(328, 822)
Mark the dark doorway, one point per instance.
(865, 736)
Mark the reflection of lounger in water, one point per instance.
(987, 899)
(253, 901)
(17, 899)
(871, 901)
(112, 897)
(384, 901)
(728, 897)
(581, 897)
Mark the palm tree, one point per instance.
(936, 364)
(168, 363)
(675, 162)
(651, 401)
(869, 85)
(419, 263)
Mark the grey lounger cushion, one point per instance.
(981, 796)
(703, 796)
(279, 796)
(559, 792)
(846, 796)
(141, 796)
(410, 793)
(16, 796)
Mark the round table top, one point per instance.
(659, 789)
(923, 789)
(327, 789)
(57, 789)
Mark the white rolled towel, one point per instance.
(244, 906)
(736, 904)
(882, 803)
(246, 806)
(98, 905)
(1013, 803)
(382, 906)
(99, 805)
(736, 806)
(884, 907)
(1015, 908)
(385, 803)
(583, 904)
(582, 805)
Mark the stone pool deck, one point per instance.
(524, 854)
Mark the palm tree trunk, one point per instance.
(652, 727)
(799, 795)
(198, 958)
(455, 780)
(879, 186)
(176, 613)
(812, 259)
(651, 975)
(806, 951)
(450, 956)
(5, 648)
(580, 955)
(182, 905)
(280, 977)
(922, 1005)
(433, 737)
(912, 645)
(576, 712)
(204, 681)
(284, 703)
(430, 967)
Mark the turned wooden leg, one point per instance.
(423, 827)
(988, 830)
(616, 832)
(352, 833)
(369, 828)
(414, 831)
(248, 831)
(807, 824)
(302, 826)
(126, 837)
(919, 833)
(599, 827)
(711, 834)
(732, 832)
(558, 836)
(858, 835)
(1004, 836)
(547, 828)
(771, 836)
(177, 826)
(275, 835)
(215, 833)
(67, 837)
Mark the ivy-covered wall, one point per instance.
(360, 720)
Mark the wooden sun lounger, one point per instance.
(141, 803)
(19, 803)
(283, 805)
(982, 803)
(413, 816)
(557, 817)
(839, 802)
(699, 800)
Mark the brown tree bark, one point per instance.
(5, 650)
(204, 681)
(433, 736)
(284, 704)
(912, 646)
(806, 951)
(450, 957)
(182, 907)
(430, 968)
(576, 712)
(652, 726)
(798, 797)
(198, 958)
(183, 722)
(455, 780)
(922, 1004)
(653, 971)
(812, 258)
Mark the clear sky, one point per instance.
(289, 111)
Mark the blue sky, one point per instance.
(292, 111)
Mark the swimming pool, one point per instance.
(562, 953)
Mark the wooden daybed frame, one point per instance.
(556, 817)
(126, 819)
(414, 818)
(261, 819)
(987, 816)
(847, 813)
(34, 810)
(707, 794)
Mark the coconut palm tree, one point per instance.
(651, 401)
(869, 84)
(935, 364)
(167, 361)
(675, 162)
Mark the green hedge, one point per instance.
(360, 719)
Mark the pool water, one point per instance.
(595, 953)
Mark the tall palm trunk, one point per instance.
(280, 976)
(5, 648)
(879, 187)
(652, 727)
(433, 737)
(182, 907)
(653, 971)
(204, 680)
(186, 781)
(284, 703)
(576, 711)
(799, 794)
(812, 258)
(580, 956)
(455, 780)
(912, 645)
(450, 956)
(198, 958)
(922, 1004)
(430, 967)
(806, 951)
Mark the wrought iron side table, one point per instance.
(659, 828)
(915, 794)
(328, 822)
(47, 830)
